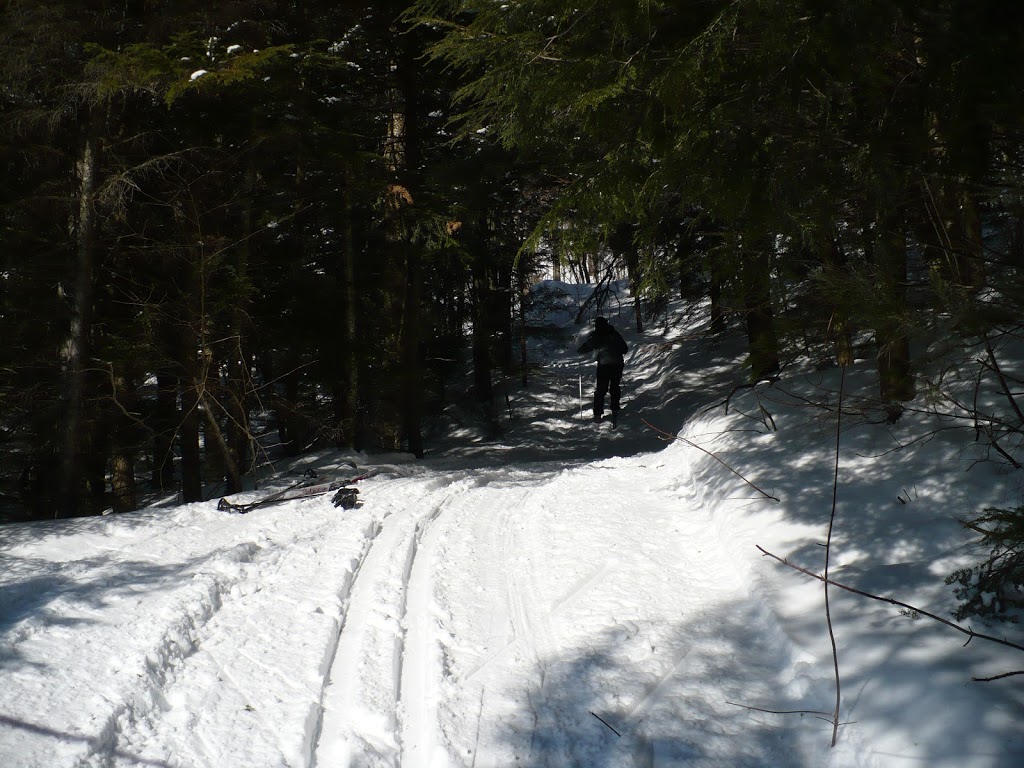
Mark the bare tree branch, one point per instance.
(823, 715)
(997, 677)
(713, 456)
(828, 556)
(971, 634)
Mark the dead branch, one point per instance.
(971, 634)
(997, 677)
(828, 556)
(606, 724)
(751, 386)
(713, 456)
(816, 713)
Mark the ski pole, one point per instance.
(579, 368)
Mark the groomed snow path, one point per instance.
(495, 617)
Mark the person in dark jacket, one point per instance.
(608, 347)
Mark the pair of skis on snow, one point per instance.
(310, 486)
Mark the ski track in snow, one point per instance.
(202, 693)
(246, 709)
(416, 669)
(367, 719)
(389, 663)
(127, 688)
(545, 668)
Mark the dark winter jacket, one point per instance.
(606, 343)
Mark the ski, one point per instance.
(305, 489)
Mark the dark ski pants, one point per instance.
(608, 378)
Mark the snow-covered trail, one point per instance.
(566, 594)
(367, 682)
(608, 607)
(150, 641)
(249, 691)
(520, 618)
(458, 617)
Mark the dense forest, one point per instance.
(227, 222)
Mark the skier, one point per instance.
(608, 347)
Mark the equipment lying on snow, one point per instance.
(307, 488)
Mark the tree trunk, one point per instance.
(895, 381)
(839, 327)
(411, 368)
(96, 451)
(482, 373)
(684, 261)
(122, 458)
(524, 300)
(189, 345)
(972, 246)
(215, 435)
(238, 437)
(75, 352)
(718, 324)
(122, 481)
(348, 410)
(1017, 241)
(238, 433)
(500, 308)
(408, 170)
(757, 308)
(191, 458)
(624, 246)
(164, 423)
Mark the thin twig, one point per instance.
(606, 724)
(994, 367)
(782, 711)
(997, 677)
(751, 385)
(971, 634)
(828, 555)
(713, 456)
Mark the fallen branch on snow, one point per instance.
(971, 634)
(671, 436)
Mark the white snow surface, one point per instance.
(564, 594)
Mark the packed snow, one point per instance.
(561, 593)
